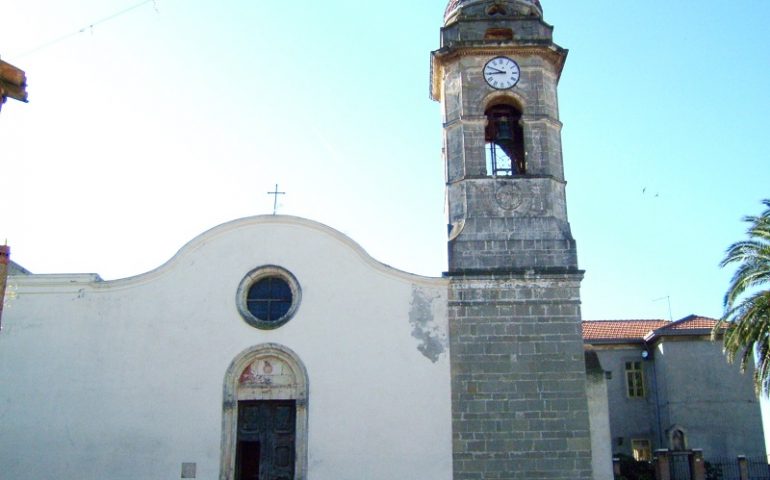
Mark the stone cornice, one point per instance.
(467, 119)
(519, 273)
(482, 119)
(508, 178)
(533, 119)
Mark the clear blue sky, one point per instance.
(156, 125)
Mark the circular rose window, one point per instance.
(268, 297)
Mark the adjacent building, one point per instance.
(669, 387)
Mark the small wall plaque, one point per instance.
(188, 470)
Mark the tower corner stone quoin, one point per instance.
(5, 254)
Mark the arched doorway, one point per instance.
(264, 422)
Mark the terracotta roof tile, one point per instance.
(594, 330)
(692, 322)
(611, 331)
(689, 325)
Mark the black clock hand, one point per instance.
(496, 71)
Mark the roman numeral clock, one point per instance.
(502, 73)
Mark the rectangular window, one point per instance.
(634, 380)
(642, 450)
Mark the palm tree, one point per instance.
(746, 321)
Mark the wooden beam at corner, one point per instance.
(13, 91)
(13, 83)
(12, 75)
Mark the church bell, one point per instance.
(504, 130)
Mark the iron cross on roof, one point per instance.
(275, 198)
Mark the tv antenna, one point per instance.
(668, 299)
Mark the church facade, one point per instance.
(275, 348)
(149, 376)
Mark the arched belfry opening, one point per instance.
(264, 425)
(504, 137)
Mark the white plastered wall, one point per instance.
(598, 410)
(124, 379)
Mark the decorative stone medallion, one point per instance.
(509, 196)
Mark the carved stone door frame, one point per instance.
(264, 372)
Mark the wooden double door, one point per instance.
(266, 440)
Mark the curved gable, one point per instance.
(279, 236)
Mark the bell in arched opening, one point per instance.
(505, 141)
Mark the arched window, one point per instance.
(677, 438)
(504, 138)
(264, 429)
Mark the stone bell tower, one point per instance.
(519, 402)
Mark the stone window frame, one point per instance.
(298, 393)
(253, 277)
(641, 449)
(634, 375)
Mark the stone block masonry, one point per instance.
(518, 378)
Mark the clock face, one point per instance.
(502, 73)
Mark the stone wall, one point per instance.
(518, 378)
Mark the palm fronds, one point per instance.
(746, 321)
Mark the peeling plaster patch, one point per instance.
(432, 338)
